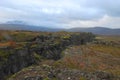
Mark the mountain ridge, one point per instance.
(95, 30)
(26, 27)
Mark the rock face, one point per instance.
(16, 61)
(47, 47)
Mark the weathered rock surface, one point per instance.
(16, 61)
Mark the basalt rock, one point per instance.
(16, 61)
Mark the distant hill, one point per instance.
(16, 22)
(26, 27)
(17, 25)
(97, 30)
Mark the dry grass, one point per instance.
(90, 58)
(109, 38)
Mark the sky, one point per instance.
(62, 13)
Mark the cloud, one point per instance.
(106, 21)
(110, 7)
(65, 13)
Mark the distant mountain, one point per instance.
(97, 30)
(16, 22)
(19, 25)
(26, 27)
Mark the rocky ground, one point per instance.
(46, 72)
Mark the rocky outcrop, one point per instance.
(47, 47)
(16, 61)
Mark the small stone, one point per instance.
(69, 78)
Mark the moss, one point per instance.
(13, 76)
(50, 79)
(83, 78)
(4, 54)
(66, 37)
(46, 78)
(34, 46)
(37, 57)
(54, 79)
(18, 48)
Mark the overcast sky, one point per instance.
(62, 13)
